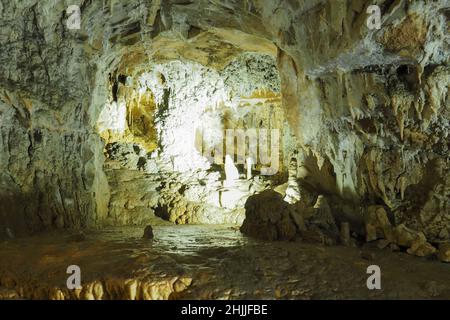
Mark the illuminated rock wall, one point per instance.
(193, 106)
(367, 109)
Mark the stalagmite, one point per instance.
(231, 172)
(249, 162)
(292, 191)
(345, 233)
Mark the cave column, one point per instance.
(293, 190)
(249, 162)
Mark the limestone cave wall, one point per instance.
(368, 110)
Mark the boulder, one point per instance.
(296, 213)
(322, 216)
(444, 252)
(377, 224)
(421, 249)
(405, 236)
(415, 241)
(148, 232)
(267, 217)
(322, 220)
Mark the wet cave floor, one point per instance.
(208, 262)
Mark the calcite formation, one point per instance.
(269, 217)
(123, 121)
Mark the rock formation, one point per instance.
(357, 102)
(145, 112)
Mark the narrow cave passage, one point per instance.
(205, 149)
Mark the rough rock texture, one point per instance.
(51, 170)
(367, 110)
(220, 264)
(269, 217)
(378, 224)
(194, 106)
(444, 252)
(148, 232)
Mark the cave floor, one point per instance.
(222, 263)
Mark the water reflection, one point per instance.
(180, 239)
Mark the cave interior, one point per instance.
(206, 149)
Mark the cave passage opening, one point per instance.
(189, 142)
